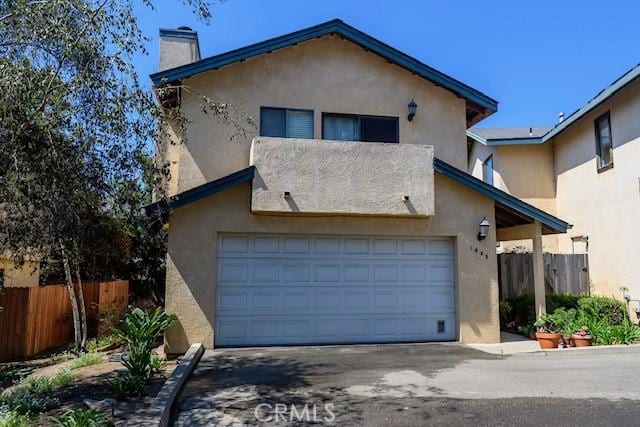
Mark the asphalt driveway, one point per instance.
(421, 384)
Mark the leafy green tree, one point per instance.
(76, 135)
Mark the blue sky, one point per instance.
(536, 58)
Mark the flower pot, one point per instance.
(582, 340)
(548, 340)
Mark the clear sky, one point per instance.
(535, 57)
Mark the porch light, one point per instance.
(484, 229)
(412, 109)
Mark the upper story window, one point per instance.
(604, 144)
(286, 122)
(487, 170)
(353, 127)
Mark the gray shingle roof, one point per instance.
(509, 133)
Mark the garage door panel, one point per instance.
(325, 289)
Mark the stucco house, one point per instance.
(585, 169)
(345, 215)
(26, 275)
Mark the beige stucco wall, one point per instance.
(326, 75)
(337, 177)
(604, 206)
(23, 276)
(525, 171)
(191, 261)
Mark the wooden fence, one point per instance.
(562, 274)
(35, 319)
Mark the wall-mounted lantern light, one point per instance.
(412, 109)
(287, 195)
(405, 198)
(484, 229)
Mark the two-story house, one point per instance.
(345, 215)
(585, 169)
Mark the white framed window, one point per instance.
(604, 142)
(487, 170)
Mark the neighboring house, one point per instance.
(296, 232)
(585, 169)
(19, 276)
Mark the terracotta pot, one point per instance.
(582, 341)
(548, 340)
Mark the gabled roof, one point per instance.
(508, 136)
(601, 97)
(505, 136)
(479, 100)
(550, 223)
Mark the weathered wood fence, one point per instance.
(35, 319)
(562, 274)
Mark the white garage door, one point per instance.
(324, 289)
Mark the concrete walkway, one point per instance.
(511, 344)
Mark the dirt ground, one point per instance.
(91, 382)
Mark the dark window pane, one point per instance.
(487, 170)
(299, 124)
(340, 128)
(603, 140)
(379, 129)
(272, 122)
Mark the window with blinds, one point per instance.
(353, 127)
(286, 122)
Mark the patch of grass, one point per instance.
(103, 341)
(62, 378)
(86, 359)
(13, 419)
(81, 418)
(37, 385)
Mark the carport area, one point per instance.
(408, 384)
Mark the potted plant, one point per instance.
(548, 332)
(528, 330)
(582, 337)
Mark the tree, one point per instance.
(76, 134)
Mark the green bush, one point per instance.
(140, 331)
(609, 310)
(62, 378)
(523, 306)
(127, 385)
(86, 359)
(37, 385)
(23, 402)
(13, 419)
(81, 418)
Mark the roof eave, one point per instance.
(344, 30)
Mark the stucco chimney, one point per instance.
(560, 117)
(178, 47)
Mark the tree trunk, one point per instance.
(77, 326)
(83, 311)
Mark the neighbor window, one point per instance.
(353, 127)
(286, 122)
(604, 144)
(487, 170)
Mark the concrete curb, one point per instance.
(159, 413)
(601, 349)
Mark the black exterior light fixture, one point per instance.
(412, 109)
(484, 229)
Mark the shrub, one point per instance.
(627, 333)
(86, 359)
(608, 310)
(23, 402)
(140, 330)
(127, 385)
(81, 418)
(13, 419)
(37, 385)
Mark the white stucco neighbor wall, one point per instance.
(605, 206)
(338, 177)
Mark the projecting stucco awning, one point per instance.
(510, 211)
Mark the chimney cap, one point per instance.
(185, 28)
